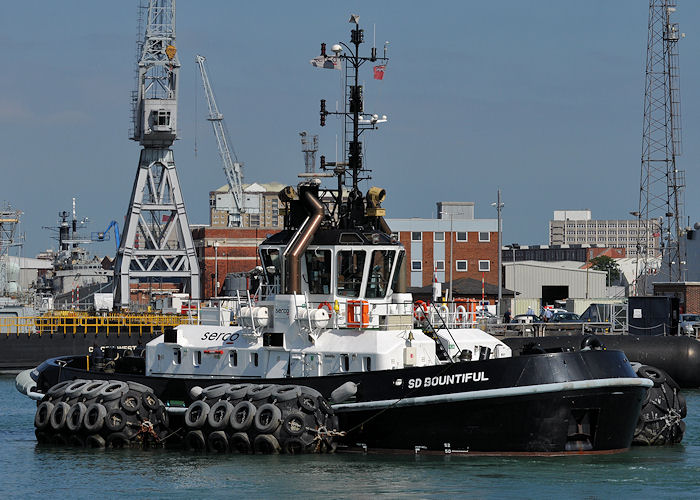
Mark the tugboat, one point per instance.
(330, 314)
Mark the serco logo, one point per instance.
(282, 310)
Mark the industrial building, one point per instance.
(570, 227)
(543, 283)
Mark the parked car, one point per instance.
(526, 318)
(687, 323)
(565, 317)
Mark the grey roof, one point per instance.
(466, 286)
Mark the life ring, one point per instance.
(420, 309)
(326, 305)
(461, 314)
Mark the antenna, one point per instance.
(660, 211)
(309, 148)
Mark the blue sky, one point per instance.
(542, 99)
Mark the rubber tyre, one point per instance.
(215, 391)
(258, 392)
(135, 386)
(76, 440)
(43, 415)
(117, 440)
(76, 388)
(309, 391)
(130, 401)
(150, 401)
(242, 416)
(286, 393)
(42, 437)
(294, 446)
(220, 414)
(308, 403)
(268, 418)
(237, 391)
(194, 441)
(266, 444)
(94, 418)
(92, 390)
(294, 424)
(95, 441)
(682, 404)
(217, 442)
(75, 417)
(57, 390)
(196, 414)
(240, 443)
(654, 374)
(57, 420)
(115, 421)
(113, 390)
(325, 406)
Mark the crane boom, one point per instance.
(232, 167)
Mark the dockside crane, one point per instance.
(232, 167)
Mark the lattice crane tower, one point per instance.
(661, 188)
(156, 242)
(232, 167)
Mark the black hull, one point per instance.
(27, 351)
(552, 403)
(679, 356)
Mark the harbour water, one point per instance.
(28, 470)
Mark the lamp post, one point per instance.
(452, 261)
(513, 247)
(499, 206)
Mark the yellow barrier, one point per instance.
(74, 323)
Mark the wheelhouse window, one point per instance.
(398, 271)
(380, 271)
(318, 271)
(273, 265)
(351, 266)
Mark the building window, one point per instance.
(461, 265)
(439, 236)
(484, 265)
(484, 236)
(439, 265)
(254, 220)
(416, 236)
(461, 236)
(416, 265)
(395, 236)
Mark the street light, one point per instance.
(452, 260)
(513, 247)
(499, 206)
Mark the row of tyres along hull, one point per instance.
(547, 403)
(679, 356)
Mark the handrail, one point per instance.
(79, 323)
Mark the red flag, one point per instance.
(379, 72)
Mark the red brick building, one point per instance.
(454, 246)
(226, 250)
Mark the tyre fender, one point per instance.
(196, 414)
(57, 420)
(75, 416)
(242, 416)
(268, 418)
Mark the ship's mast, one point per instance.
(353, 213)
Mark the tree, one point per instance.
(607, 264)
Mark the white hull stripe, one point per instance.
(497, 393)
